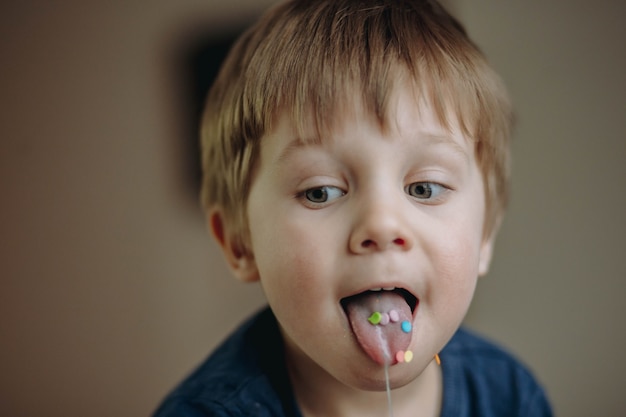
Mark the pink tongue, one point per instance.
(382, 341)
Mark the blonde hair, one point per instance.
(307, 55)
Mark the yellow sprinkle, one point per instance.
(408, 356)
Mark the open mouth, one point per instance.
(408, 297)
(381, 339)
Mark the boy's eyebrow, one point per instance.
(445, 139)
(432, 138)
(297, 143)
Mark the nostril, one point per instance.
(367, 243)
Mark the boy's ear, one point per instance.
(486, 248)
(239, 258)
(486, 251)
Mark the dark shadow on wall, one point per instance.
(200, 60)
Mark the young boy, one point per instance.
(355, 161)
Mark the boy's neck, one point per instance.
(319, 394)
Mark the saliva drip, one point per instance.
(388, 359)
(378, 319)
(388, 389)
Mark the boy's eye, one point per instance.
(324, 194)
(425, 190)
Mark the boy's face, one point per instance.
(363, 209)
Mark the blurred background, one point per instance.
(110, 289)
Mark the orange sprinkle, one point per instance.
(437, 359)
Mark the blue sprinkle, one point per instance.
(406, 326)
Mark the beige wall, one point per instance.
(110, 290)
(556, 291)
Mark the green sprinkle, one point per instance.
(375, 317)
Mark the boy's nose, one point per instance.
(379, 227)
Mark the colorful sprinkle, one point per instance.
(406, 326)
(375, 318)
(437, 359)
(403, 356)
(394, 316)
(384, 319)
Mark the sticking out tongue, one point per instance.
(380, 341)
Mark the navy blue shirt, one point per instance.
(247, 376)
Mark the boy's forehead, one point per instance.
(408, 116)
